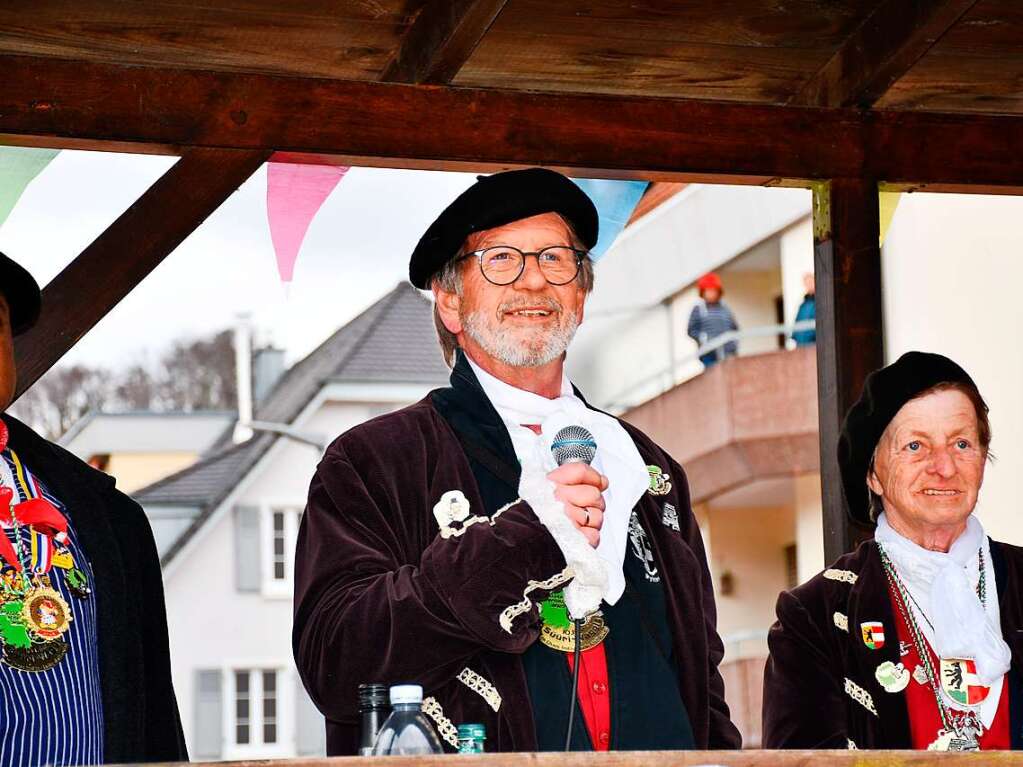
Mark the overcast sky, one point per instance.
(356, 250)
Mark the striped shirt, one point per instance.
(55, 716)
(708, 321)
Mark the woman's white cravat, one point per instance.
(954, 622)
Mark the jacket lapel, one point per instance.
(869, 602)
(1010, 609)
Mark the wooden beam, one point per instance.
(441, 39)
(895, 35)
(130, 248)
(366, 123)
(850, 329)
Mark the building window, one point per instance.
(279, 536)
(269, 707)
(242, 707)
(257, 708)
(279, 549)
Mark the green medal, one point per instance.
(558, 630)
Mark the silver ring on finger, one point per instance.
(587, 522)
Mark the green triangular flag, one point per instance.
(18, 166)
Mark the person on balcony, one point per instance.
(914, 640)
(84, 660)
(442, 545)
(710, 319)
(807, 312)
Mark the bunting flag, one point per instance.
(18, 166)
(887, 202)
(294, 194)
(615, 201)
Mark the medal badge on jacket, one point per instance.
(34, 616)
(558, 631)
(960, 682)
(873, 634)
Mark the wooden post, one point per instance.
(850, 331)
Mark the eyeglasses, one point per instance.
(503, 264)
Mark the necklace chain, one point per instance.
(902, 602)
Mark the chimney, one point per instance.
(267, 369)
(243, 373)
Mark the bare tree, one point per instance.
(199, 375)
(62, 396)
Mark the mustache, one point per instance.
(540, 302)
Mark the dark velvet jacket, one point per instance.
(806, 702)
(140, 712)
(381, 597)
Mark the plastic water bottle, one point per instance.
(470, 738)
(373, 710)
(407, 730)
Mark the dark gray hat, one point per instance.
(884, 393)
(495, 201)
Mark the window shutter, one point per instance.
(209, 718)
(310, 729)
(247, 549)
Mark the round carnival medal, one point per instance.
(893, 677)
(558, 630)
(46, 614)
(593, 632)
(959, 681)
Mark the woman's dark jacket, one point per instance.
(819, 684)
(381, 597)
(140, 712)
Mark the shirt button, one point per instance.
(604, 738)
(599, 688)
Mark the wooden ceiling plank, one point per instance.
(441, 39)
(890, 41)
(412, 126)
(130, 248)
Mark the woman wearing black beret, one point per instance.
(913, 641)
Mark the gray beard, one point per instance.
(505, 347)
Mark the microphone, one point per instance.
(574, 444)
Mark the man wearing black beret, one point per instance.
(84, 660)
(913, 640)
(443, 545)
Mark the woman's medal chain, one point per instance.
(961, 730)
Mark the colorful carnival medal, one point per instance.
(558, 630)
(33, 615)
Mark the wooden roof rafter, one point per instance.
(90, 105)
(440, 40)
(881, 50)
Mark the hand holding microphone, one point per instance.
(577, 484)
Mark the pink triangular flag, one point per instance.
(294, 193)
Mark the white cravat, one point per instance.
(945, 588)
(617, 458)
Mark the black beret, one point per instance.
(495, 201)
(884, 393)
(22, 294)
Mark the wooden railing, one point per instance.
(669, 759)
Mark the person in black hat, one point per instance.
(913, 640)
(84, 659)
(441, 544)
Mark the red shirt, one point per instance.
(924, 718)
(594, 693)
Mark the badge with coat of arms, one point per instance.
(873, 634)
(960, 682)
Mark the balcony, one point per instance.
(743, 420)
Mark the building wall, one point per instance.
(952, 269)
(135, 470)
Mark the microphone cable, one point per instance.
(575, 682)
